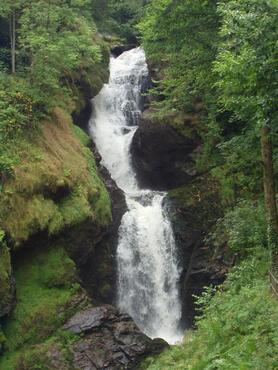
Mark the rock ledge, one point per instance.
(109, 340)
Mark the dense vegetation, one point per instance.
(118, 18)
(219, 59)
(51, 61)
(51, 44)
(214, 58)
(236, 329)
(43, 49)
(222, 56)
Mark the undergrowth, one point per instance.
(237, 328)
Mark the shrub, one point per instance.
(238, 327)
(244, 227)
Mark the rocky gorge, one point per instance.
(69, 257)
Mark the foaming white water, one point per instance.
(146, 255)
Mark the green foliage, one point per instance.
(118, 17)
(220, 56)
(247, 60)
(17, 106)
(54, 41)
(59, 36)
(183, 36)
(20, 110)
(244, 227)
(237, 328)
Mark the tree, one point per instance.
(10, 9)
(183, 36)
(56, 39)
(247, 84)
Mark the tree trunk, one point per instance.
(13, 39)
(270, 195)
(269, 185)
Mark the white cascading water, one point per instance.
(146, 255)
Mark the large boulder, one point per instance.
(162, 158)
(109, 340)
(95, 338)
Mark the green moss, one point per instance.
(53, 353)
(45, 281)
(55, 185)
(100, 203)
(5, 275)
(47, 292)
(82, 136)
(2, 341)
(5, 268)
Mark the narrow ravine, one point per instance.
(147, 266)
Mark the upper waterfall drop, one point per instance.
(147, 263)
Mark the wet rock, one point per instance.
(193, 210)
(98, 268)
(93, 248)
(117, 50)
(161, 156)
(109, 340)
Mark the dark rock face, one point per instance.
(193, 210)
(82, 117)
(109, 340)
(89, 82)
(162, 158)
(117, 50)
(93, 248)
(188, 239)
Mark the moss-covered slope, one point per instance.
(55, 185)
(48, 293)
(54, 188)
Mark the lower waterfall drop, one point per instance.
(147, 266)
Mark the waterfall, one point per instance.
(147, 268)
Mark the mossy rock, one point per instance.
(48, 293)
(7, 287)
(54, 354)
(55, 185)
